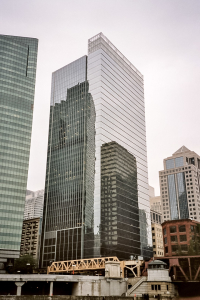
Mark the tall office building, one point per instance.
(95, 100)
(180, 185)
(18, 58)
(34, 204)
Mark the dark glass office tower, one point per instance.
(18, 58)
(120, 228)
(109, 109)
(69, 188)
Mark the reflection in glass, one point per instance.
(179, 162)
(118, 93)
(182, 195)
(172, 197)
(120, 232)
(169, 164)
(97, 103)
(69, 188)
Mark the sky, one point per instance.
(160, 37)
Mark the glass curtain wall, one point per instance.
(182, 195)
(18, 59)
(172, 197)
(118, 93)
(120, 233)
(69, 187)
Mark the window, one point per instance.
(179, 161)
(159, 287)
(184, 247)
(165, 240)
(172, 229)
(183, 238)
(182, 228)
(173, 238)
(169, 164)
(167, 287)
(174, 248)
(152, 287)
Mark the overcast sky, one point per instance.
(160, 37)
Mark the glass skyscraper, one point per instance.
(18, 58)
(96, 100)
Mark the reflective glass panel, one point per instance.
(172, 197)
(179, 162)
(182, 195)
(169, 164)
(18, 59)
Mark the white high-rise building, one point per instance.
(180, 185)
(34, 204)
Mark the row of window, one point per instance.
(157, 287)
(174, 238)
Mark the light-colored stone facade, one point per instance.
(157, 237)
(155, 204)
(180, 185)
(156, 283)
(34, 204)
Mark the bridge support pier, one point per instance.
(51, 289)
(19, 287)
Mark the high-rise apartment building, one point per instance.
(34, 204)
(95, 100)
(180, 184)
(18, 58)
(30, 241)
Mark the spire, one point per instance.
(182, 149)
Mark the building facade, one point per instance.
(97, 93)
(180, 185)
(155, 204)
(30, 241)
(18, 58)
(119, 202)
(34, 204)
(181, 236)
(157, 236)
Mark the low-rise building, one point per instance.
(181, 237)
(157, 284)
(30, 241)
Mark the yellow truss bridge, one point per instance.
(95, 264)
